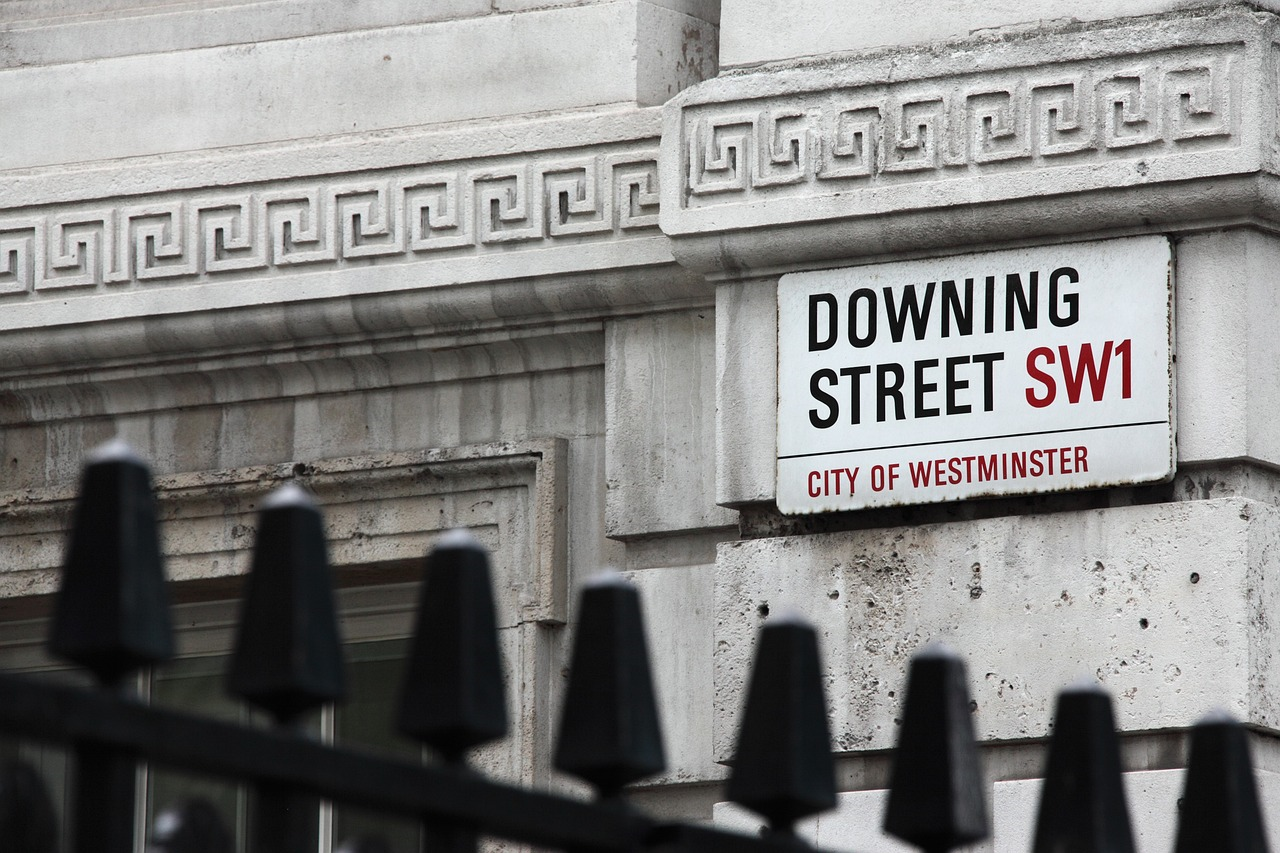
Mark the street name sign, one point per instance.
(1000, 373)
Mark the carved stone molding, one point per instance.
(182, 252)
(941, 130)
(378, 509)
(1049, 119)
(470, 208)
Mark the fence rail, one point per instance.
(111, 617)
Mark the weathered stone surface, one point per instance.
(1153, 809)
(1131, 124)
(855, 824)
(746, 391)
(678, 605)
(42, 32)
(280, 410)
(521, 137)
(1166, 605)
(1227, 309)
(625, 51)
(812, 28)
(659, 408)
(378, 510)
(327, 258)
(410, 212)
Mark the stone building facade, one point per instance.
(514, 265)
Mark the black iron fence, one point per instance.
(111, 618)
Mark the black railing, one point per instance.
(111, 618)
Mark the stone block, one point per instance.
(854, 825)
(1153, 809)
(23, 456)
(706, 10)
(772, 30)
(44, 32)
(1212, 321)
(659, 409)
(409, 216)
(1163, 604)
(252, 433)
(678, 603)
(356, 82)
(674, 50)
(746, 391)
(1225, 314)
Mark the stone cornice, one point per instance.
(332, 155)
(1162, 123)
(538, 198)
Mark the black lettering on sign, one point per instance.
(816, 300)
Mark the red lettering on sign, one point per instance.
(1085, 367)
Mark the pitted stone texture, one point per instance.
(769, 30)
(659, 411)
(1166, 605)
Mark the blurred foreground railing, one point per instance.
(111, 618)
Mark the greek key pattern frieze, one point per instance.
(935, 130)
(476, 208)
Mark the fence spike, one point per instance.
(453, 696)
(111, 614)
(1082, 803)
(783, 768)
(192, 826)
(27, 819)
(1219, 806)
(936, 788)
(288, 655)
(609, 730)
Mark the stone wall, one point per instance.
(514, 265)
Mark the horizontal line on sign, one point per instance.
(974, 438)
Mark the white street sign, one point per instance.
(1000, 373)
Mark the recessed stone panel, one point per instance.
(660, 395)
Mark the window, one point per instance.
(375, 623)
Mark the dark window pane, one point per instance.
(367, 721)
(195, 685)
